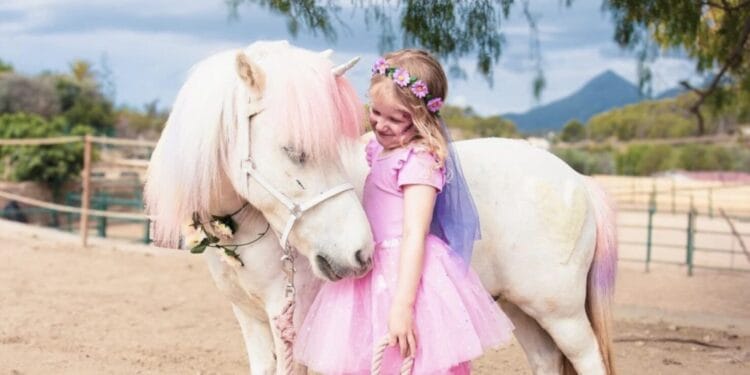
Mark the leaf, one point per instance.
(201, 247)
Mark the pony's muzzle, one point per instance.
(334, 271)
(364, 262)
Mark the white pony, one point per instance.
(258, 132)
(548, 253)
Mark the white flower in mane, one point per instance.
(221, 229)
(193, 236)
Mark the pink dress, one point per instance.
(455, 319)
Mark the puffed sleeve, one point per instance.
(371, 150)
(418, 167)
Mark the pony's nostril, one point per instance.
(325, 266)
(360, 259)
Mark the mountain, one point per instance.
(604, 92)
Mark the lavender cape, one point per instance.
(455, 219)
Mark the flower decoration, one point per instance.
(419, 88)
(197, 238)
(380, 66)
(402, 78)
(222, 229)
(435, 104)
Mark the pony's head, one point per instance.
(288, 110)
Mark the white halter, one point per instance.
(295, 209)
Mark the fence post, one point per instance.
(690, 238)
(147, 232)
(86, 174)
(102, 203)
(649, 229)
(673, 194)
(711, 202)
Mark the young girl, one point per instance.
(421, 294)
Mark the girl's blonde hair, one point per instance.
(422, 65)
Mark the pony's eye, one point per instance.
(296, 156)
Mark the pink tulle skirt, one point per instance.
(455, 319)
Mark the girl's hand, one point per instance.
(400, 329)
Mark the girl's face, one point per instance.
(391, 123)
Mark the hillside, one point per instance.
(604, 92)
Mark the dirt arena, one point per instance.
(115, 308)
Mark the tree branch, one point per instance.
(735, 58)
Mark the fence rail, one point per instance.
(702, 242)
(84, 212)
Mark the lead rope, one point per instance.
(377, 359)
(285, 321)
(285, 324)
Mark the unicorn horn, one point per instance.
(341, 69)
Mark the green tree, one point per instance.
(19, 93)
(704, 158)
(495, 126)
(644, 160)
(666, 118)
(51, 165)
(148, 123)
(573, 131)
(713, 33)
(450, 29)
(82, 102)
(5, 67)
(587, 161)
(82, 72)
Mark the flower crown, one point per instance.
(402, 78)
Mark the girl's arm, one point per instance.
(419, 202)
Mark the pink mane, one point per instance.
(321, 110)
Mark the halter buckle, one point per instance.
(296, 211)
(290, 290)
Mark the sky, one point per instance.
(149, 45)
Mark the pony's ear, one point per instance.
(251, 73)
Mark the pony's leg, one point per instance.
(541, 352)
(575, 337)
(258, 340)
(250, 314)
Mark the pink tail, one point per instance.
(602, 273)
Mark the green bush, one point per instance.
(644, 160)
(586, 161)
(52, 165)
(573, 131)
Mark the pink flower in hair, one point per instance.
(401, 77)
(419, 88)
(380, 66)
(434, 105)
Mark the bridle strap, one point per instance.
(295, 209)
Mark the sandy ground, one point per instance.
(123, 309)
